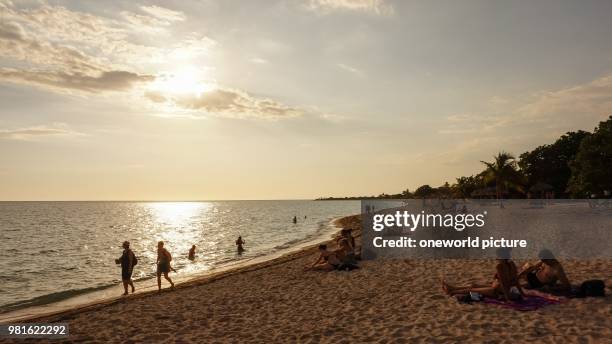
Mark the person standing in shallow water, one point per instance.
(127, 261)
(294, 219)
(192, 252)
(163, 264)
(239, 243)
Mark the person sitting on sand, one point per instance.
(327, 261)
(346, 254)
(505, 283)
(346, 235)
(127, 261)
(546, 273)
(339, 259)
(239, 243)
(163, 264)
(192, 252)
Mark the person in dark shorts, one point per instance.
(163, 264)
(127, 261)
(547, 273)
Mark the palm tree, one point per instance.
(504, 172)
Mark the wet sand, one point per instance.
(398, 301)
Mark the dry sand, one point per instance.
(397, 301)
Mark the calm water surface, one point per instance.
(50, 251)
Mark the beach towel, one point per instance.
(529, 302)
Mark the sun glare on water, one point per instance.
(175, 214)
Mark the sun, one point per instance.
(186, 81)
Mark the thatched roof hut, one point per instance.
(487, 192)
(541, 187)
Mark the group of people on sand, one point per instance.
(508, 283)
(343, 258)
(128, 260)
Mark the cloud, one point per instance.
(378, 7)
(350, 69)
(60, 49)
(258, 60)
(228, 102)
(104, 81)
(538, 119)
(591, 101)
(164, 13)
(57, 129)
(11, 31)
(154, 18)
(63, 50)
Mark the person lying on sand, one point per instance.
(545, 274)
(505, 284)
(163, 264)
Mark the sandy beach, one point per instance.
(397, 301)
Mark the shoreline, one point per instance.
(385, 300)
(197, 279)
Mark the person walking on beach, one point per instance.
(127, 261)
(239, 243)
(163, 264)
(192, 252)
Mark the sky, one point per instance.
(286, 99)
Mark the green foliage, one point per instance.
(503, 171)
(424, 191)
(550, 163)
(464, 186)
(592, 167)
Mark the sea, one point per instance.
(56, 251)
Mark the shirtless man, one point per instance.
(546, 273)
(127, 261)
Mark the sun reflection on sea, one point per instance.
(176, 214)
(177, 222)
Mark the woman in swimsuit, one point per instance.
(546, 274)
(505, 284)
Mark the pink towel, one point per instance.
(531, 302)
